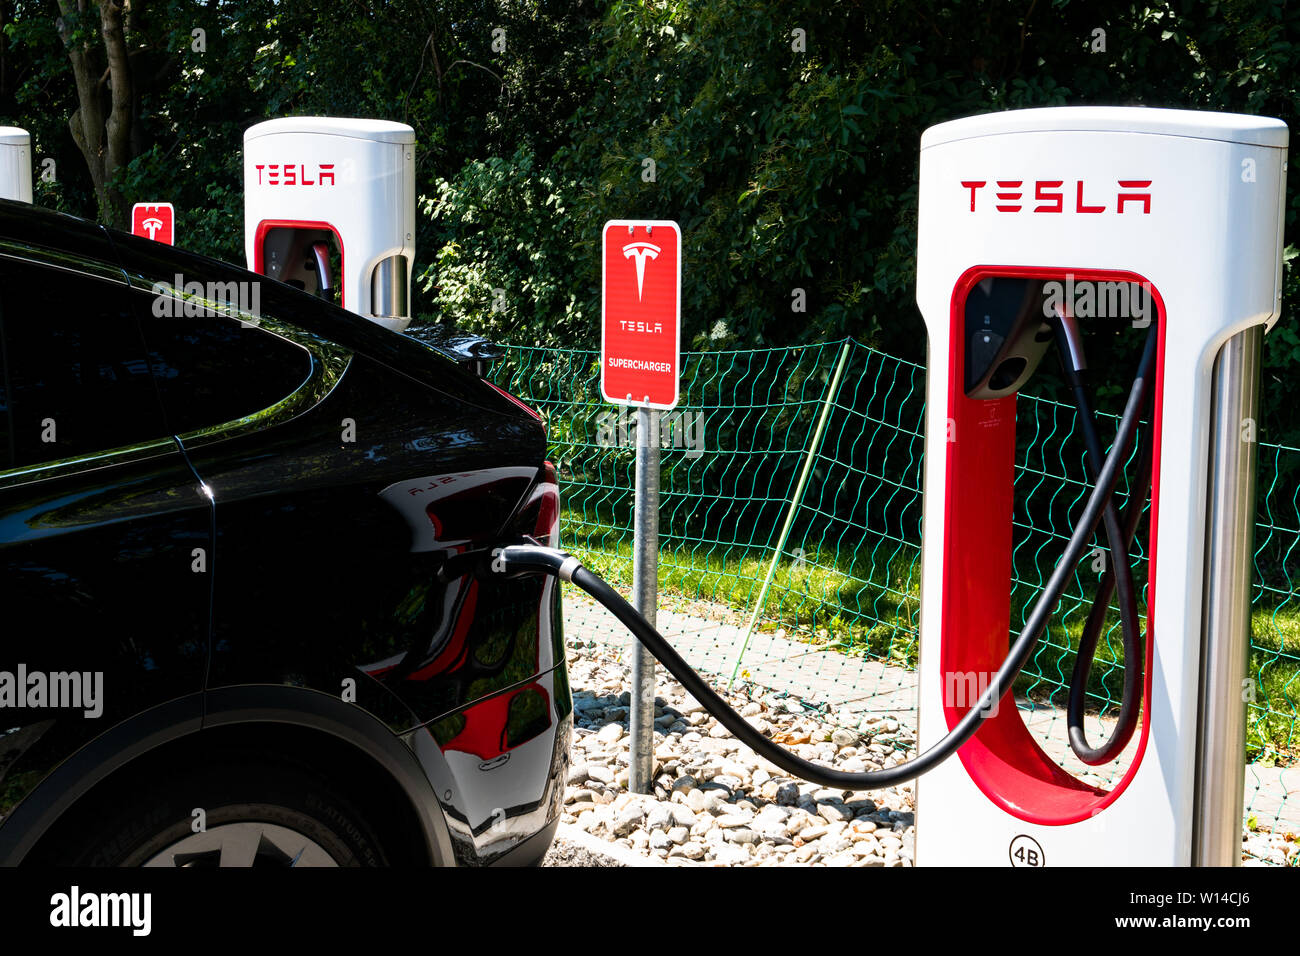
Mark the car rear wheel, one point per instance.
(228, 814)
(255, 836)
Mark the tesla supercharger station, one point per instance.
(1187, 206)
(330, 203)
(15, 164)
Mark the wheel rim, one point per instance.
(244, 844)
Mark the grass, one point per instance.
(863, 602)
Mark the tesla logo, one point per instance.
(288, 174)
(1052, 195)
(154, 220)
(639, 252)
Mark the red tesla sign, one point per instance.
(154, 220)
(641, 312)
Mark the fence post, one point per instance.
(814, 446)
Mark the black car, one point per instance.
(227, 631)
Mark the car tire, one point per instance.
(226, 812)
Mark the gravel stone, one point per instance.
(716, 803)
(690, 850)
(787, 794)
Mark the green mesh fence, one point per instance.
(828, 615)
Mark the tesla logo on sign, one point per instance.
(641, 269)
(638, 251)
(154, 220)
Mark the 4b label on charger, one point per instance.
(1025, 851)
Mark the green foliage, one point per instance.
(528, 263)
(797, 170)
(787, 168)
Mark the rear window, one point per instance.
(151, 262)
(214, 370)
(74, 379)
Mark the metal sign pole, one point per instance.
(645, 593)
(640, 355)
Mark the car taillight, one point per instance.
(539, 516)
(548, 516)
(537, 415)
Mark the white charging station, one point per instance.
(15, 164)
(330, 203)
(1188, 205)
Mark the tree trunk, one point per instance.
(104, 140)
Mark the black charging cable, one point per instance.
(527, 559)
(1117, 577)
